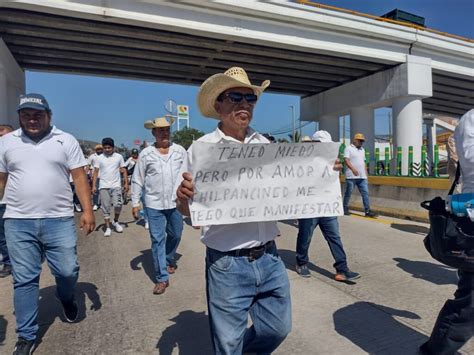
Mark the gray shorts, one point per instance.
(109, 198)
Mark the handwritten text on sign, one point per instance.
(237, 183)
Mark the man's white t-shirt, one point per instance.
(357, 158)
(38, 174)
(109, 170)
(92, 160)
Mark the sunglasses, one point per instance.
(237, 97)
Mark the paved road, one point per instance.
(390, 310)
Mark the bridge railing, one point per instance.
(382, 164)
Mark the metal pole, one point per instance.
(293, 122)
(344, 130)
(390, 140)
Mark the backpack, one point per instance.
(451, 238)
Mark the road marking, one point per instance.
(379, 220)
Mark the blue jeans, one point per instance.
(96, 196)
(363, 187)
(166, 227)
(4, 257)
(237, 287)
(29, 242)
(145, 216)
(330, 229)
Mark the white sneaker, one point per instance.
(147, 226)
(95, 208)
(118, 228)
(78, 208)
(108, 232)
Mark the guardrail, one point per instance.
(381, 164)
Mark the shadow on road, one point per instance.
(145, 259)
(190, 334)
(373, 328)
(3, 328)
(289, 258)
(435, 273)
(411, 228)
(50, 308)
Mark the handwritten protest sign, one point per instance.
(237, 183)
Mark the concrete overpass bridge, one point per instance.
(337, 62)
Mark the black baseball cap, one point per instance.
(33, 101)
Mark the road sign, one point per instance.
(183, 111)
(170, 106)
(137, 142)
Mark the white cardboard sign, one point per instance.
(237, 183)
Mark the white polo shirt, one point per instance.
(109, 170)
(155, 175)
(357, 158)
(464, 138)
(38, 174)
(228, 237)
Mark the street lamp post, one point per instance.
(293, 122)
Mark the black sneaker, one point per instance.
(24, 347)
(371, 214)
(347, 275)
(6, 270)
(347, 213)
(70, 310)
(303, 270)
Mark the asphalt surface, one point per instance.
(390, 310)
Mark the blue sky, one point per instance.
(93, 107)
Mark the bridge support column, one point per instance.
(330, 123)
(12, 84)
(408, 129)
(362, 121)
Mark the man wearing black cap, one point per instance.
(110, 165)
(39, 218)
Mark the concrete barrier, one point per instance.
(399, 196)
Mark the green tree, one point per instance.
(186, 136)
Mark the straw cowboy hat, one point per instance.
(359, 136)
(215, 85)
(158, 123)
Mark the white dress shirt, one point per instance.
(156, 174)
(228, 237)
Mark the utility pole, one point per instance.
(293, 122)
(344, 130)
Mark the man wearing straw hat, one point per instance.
(155, 175)
(244, 274)
(356, 174)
